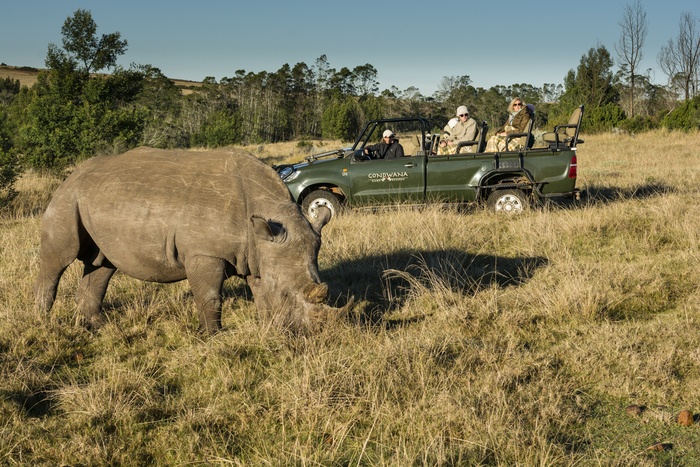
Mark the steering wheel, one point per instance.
(373, 154)
(362, 156)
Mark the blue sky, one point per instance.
(409, 43)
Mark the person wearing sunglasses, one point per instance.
(465, 129)
(519, 116)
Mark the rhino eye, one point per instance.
(278, 231)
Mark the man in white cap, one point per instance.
(388, 148)
(465, 130)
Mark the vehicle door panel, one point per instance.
(388, 180)
(453, 178)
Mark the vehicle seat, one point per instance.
(482, 136)
(566, 135)
(521, 140)
(411, 144)
(478, 144)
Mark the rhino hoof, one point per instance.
(95, 322)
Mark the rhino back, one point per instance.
(147, 209)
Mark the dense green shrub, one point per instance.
(8, 174)
(603, 118)
(220, 129)
(68, 118)
(684, 117)
(638, 124)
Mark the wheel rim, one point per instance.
(509, 203)
(317, 203)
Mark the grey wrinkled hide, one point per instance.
(165, 216)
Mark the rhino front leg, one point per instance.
(91, 292)
(206, 277)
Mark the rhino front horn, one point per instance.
(316, 293)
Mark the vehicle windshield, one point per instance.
(403, 129)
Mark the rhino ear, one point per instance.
(323, 215)
(268, 230)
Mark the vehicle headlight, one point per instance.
(287, 173)
(294, 174)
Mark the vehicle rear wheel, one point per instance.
(321, 198)
(509, 201)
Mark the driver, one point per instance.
(388, 148)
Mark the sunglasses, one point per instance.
(519, 104)
(464, 115)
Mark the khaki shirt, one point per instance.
(463, 131)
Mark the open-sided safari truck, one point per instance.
(507, 181)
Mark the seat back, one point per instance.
(482, 137)
(478, 144)
(516, 141)
(410, 144)
(566, 134)
(574, 123)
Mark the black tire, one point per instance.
(318, 198)
(508, 201)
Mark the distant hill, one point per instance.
(27, 76)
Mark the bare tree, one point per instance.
(629, 47)
(680, 59)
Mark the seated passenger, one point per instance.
(388, 148)
(465, 129)
(519, 116)
(447, 131)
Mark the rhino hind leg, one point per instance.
(206, 278)
(60, 246)
(91, 292)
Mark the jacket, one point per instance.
(519, 123)
(383, 150)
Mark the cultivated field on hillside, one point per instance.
(477, 340)
(27, 76)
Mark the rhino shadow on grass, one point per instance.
(373, 279)
(385, 282)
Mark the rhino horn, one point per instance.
(316, 293)
(326, 313)
(345, 310)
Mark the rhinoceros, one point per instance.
(166, 216)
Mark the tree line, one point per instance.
(74, 112)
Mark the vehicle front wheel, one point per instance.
(318, 199)
(509, 201)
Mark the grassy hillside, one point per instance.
(478, 340)
(27, 76)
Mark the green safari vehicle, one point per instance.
(507, 181)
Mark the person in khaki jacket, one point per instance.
(519, 116)
(464, 130)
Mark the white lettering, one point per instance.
(387, 176)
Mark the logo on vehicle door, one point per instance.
(387, 176)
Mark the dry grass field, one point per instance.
(26, 77)
(477, 340)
